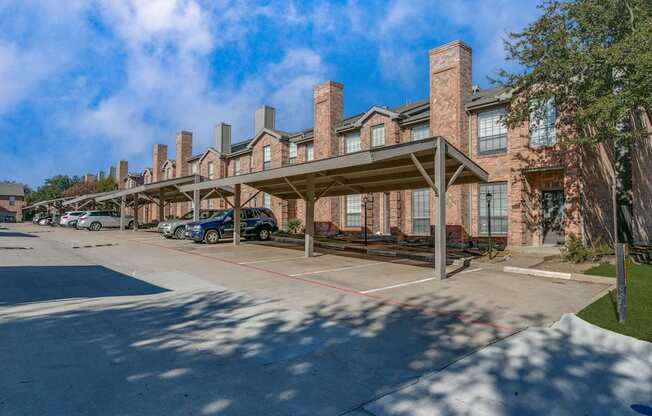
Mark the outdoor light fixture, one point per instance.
(491, 249)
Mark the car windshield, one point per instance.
(221, 215)
(188, 216)
(217, 214)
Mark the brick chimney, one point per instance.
(328, 110)
(183, 153)
(450, 84)
(159, 157)
(123, 171)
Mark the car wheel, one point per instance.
(212, 237)
(264, 234)
(96, 226)
(180, 233)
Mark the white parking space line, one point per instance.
(398, 285)
(336, 270)
(471, 270)
(273, 260)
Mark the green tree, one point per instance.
(106, 184)
(594, 59)
(53, 187)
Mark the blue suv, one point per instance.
(254, 222)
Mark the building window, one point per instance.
(310, 152)
(353, 208)
(420, 132)
(12, 201)
(378, 135)
(498, 208)
(352, 142)
(211, 170)
(210, 203)
(421, 211)
(168, 173)
(236, 167)
(542, 126)
(267, 157)
(293, 154)
(267, 200)
(194, 167)
(492, 132)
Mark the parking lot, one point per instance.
(130, 323)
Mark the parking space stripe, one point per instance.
(470, 271)
(273, 260)
(398, 285)
(339, 269)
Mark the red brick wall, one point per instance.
(17, 209)
(183, 153)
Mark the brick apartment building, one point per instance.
(12, 200)
(541, 189)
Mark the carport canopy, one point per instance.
(428, 163)
(57, 202)
(166, 191)
(83, 200)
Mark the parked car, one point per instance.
(176, 228)
(37, 217)
(69, 219)
(96, 220)
(254, 222)
(45, 220)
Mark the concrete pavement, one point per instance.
(129, 323)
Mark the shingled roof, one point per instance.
(11, 189)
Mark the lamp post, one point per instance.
(491, 249)
(365, 200)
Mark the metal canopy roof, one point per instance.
(169, 187)
(47, 202)
(87, 197)
(383, 169)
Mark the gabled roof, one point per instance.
(169, 161)
(272, 132)
(491, 96)
(207, 151)
(11, 189)
(373, 110)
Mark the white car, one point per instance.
(96, 220)
(69, 219)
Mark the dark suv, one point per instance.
(254, 222)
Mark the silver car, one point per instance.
(69, 219)
(176, 228)
(96, 220)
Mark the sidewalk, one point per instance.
(573, 368)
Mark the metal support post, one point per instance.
(123, 209)
(161, 205)
(310, 217)
(196, 202)
(136, 206)
(440, 225)
(236, 214)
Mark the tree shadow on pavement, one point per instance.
(223, 353)
(21, 284)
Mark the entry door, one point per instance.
(553, 217)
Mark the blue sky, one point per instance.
(84, 83)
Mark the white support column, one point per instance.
(196, 202)
(310, 217)
(123, 212)
(440, 216)
(161, 205)
(236, 214)
(136, 201)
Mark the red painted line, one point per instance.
(388, 301)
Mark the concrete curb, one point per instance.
(560, 275)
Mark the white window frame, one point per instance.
(267, 200)
(542, 126)
(267, 157)
(420, 132)
(210, 169)
(492, 132)
(499, 208)
(12, 201)
(237, 168)
(194, 167)
(378, 135)
(352, 142)
(420, 204)
(292, 153)
(310, 152)
(353, 210)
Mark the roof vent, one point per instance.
(475, 89)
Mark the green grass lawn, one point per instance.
(639, 303)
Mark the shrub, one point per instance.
(576, 251)
(294, 226)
